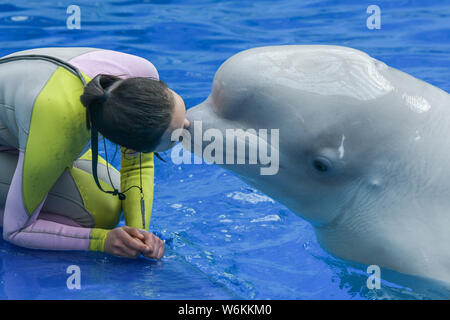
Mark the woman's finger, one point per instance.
(161, 251)
(130, 253)
(149, 241)
(133, 243)
(121, 252)
(154, 244)
(133, 232)
(158, 250)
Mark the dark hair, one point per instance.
(134, 114)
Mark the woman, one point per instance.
(53, 101)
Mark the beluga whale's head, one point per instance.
(337, 136)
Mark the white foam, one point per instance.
(271, 217)
(253, 198)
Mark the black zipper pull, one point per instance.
(143, 210)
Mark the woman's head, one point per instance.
(137, 113)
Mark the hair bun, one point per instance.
(95, 95)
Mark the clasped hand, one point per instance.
(129, 242)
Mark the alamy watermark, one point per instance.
(374, 20)
(74, 280)
(74, 20)
(374, 280)
(262, 146)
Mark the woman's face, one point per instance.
(179, 121)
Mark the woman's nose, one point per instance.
(186, 123)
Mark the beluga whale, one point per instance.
(362, 149)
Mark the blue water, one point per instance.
(224, 238)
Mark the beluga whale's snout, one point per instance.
(218, 141)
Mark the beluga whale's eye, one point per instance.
(322, 165)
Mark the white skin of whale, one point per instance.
(383, 135)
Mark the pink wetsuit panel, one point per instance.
(114, 63)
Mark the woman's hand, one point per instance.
(126, 242)
(130, 242)
(155, 245)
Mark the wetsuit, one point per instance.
(48, 197)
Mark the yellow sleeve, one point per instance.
(97, 239)
(129, 176)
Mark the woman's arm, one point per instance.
(130, 176)
(131, 162)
